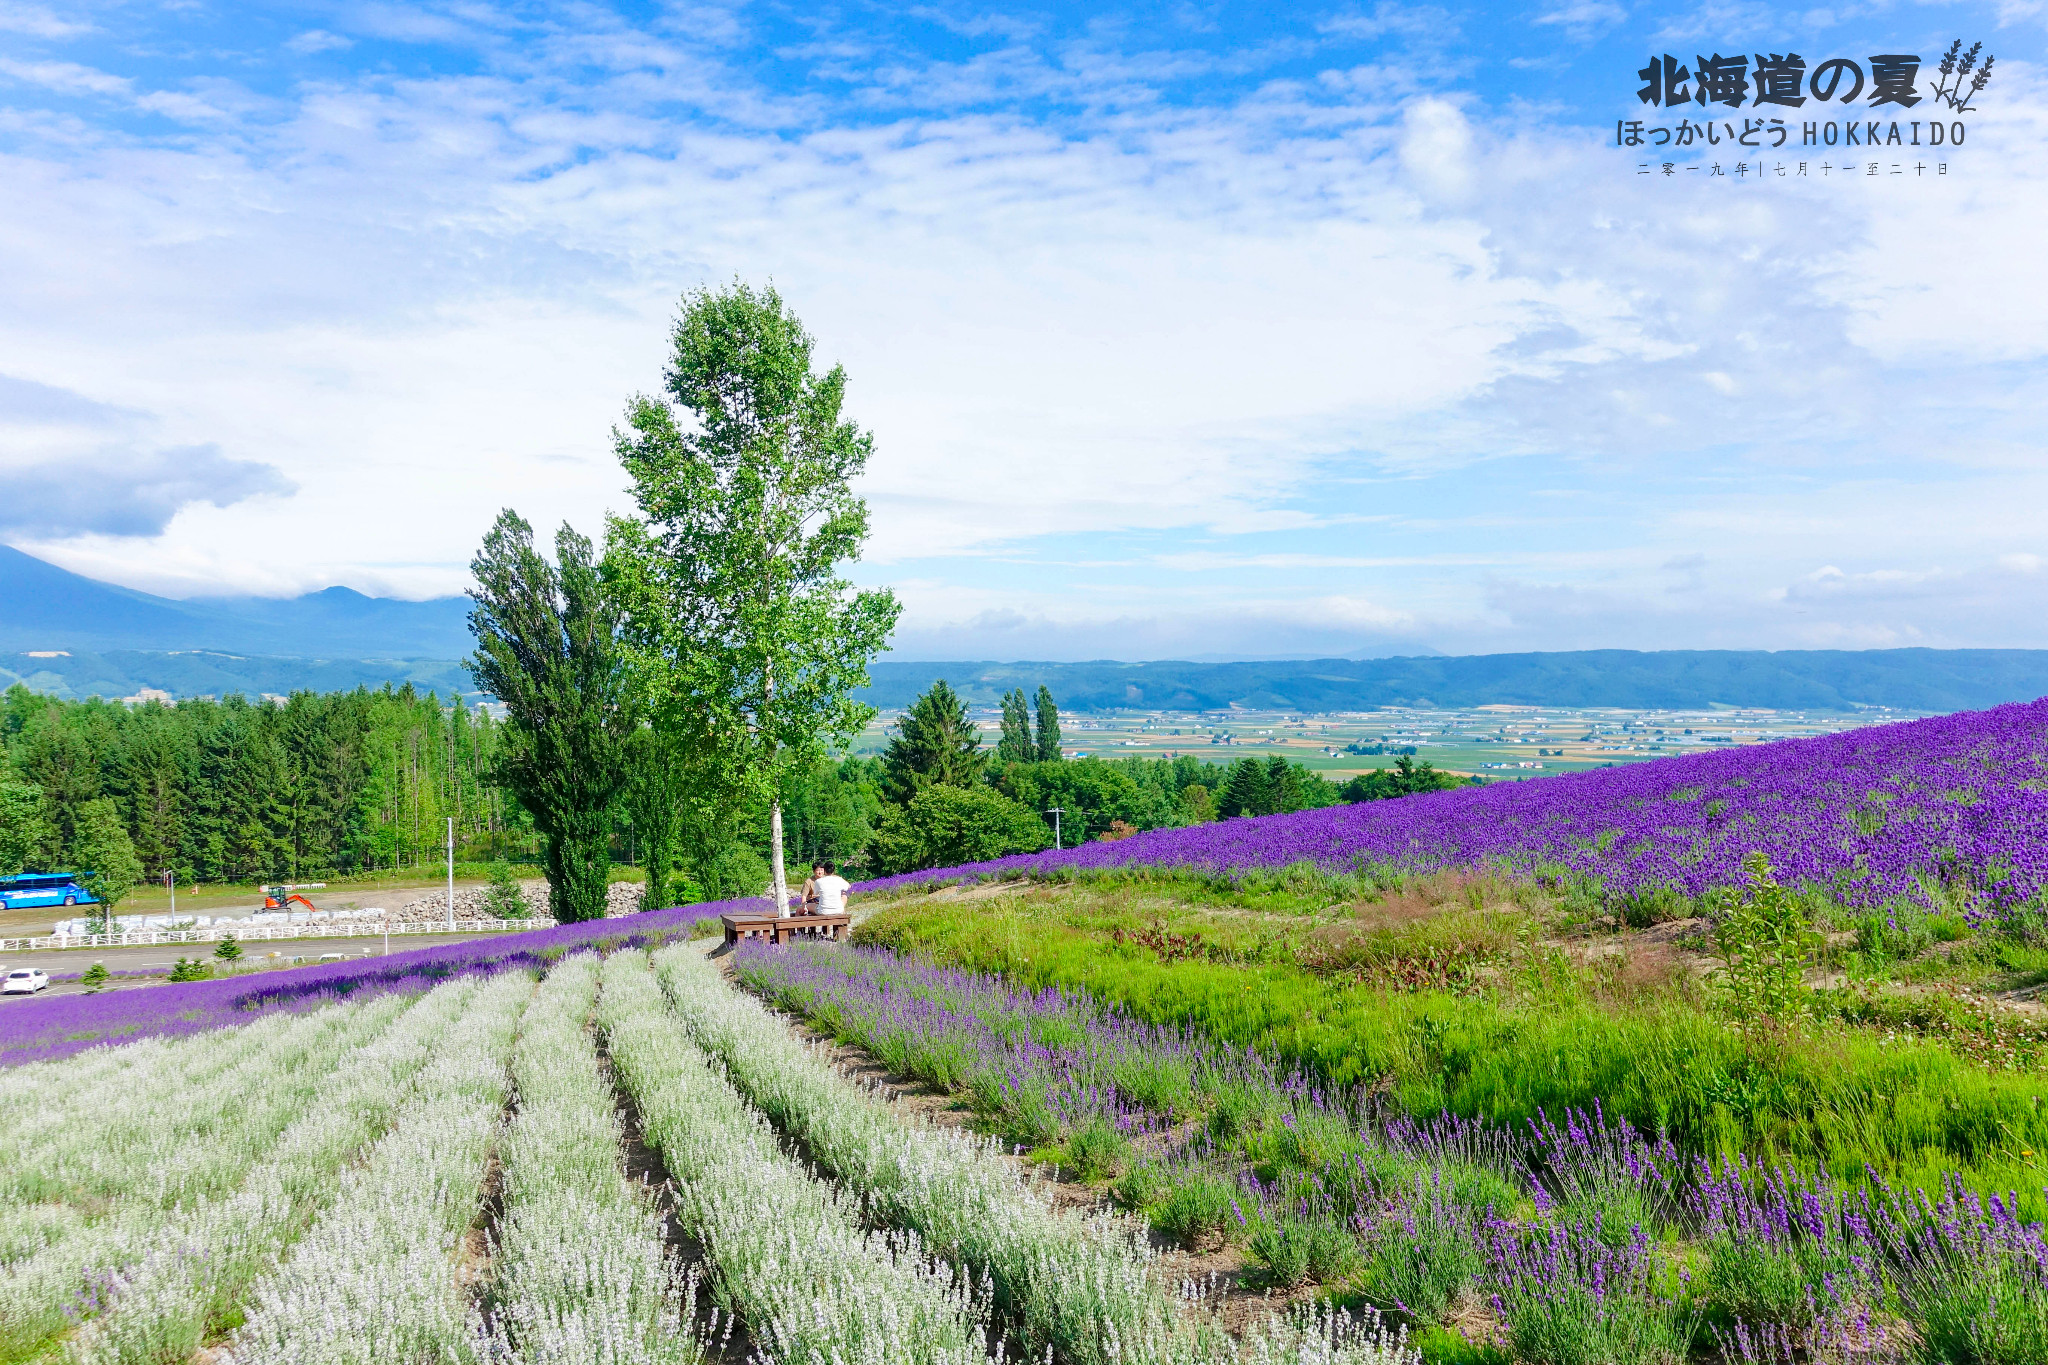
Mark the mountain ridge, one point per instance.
(44, 607)
(69, 635)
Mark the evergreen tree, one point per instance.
(935, 744)
(548, 648)
(23, 831)
(1247, 792)
(1048, 727)
(1405, 778)
(655, 793)
(1283, 791)
(1017, 745)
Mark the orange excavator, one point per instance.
(282, 898)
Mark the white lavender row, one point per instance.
(785, 1254)
(1083, 1292)
(102, 1098)
(178, 1138)
(578, 1275)
(376, 1278)
(169, 1287)
(87, 1256)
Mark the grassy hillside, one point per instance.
(1530, 1132)
(1487, 998)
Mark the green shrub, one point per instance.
(1098, 1151)
(95, 978)
(1996, 1318)
(1751, 1281)
(1239, 1111)
(1298, 1250)
(1200, 1209)
(227, 950)
(1764, 942)
(504, 899)
(1143, 1184)
(194, 970)
(1948, 928)
(1419, 1260)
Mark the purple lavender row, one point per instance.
(978, 1034)
(1867, 815)
(59, 1026)
(1563, 1226)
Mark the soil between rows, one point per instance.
(731, 1345)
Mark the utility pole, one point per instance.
(451, 874)
(1054, 812)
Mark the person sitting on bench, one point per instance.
(831, 890)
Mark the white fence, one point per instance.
(260, 933)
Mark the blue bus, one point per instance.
(45, 888)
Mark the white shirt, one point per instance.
(832, 890)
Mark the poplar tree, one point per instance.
(1017, 745)
(1048, 727)
(548, 648)
(656, 787)
(747, 639)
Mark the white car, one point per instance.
(25, 981)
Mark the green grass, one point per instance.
(1836, 1096)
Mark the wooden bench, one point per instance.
(782, 928)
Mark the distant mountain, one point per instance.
(202, 673)
(43, 607)
(1829, 680)
(72, 636)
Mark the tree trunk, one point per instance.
(775, 815)
(775, 856)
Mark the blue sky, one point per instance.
(1184, 330)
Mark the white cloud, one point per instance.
(1583, 19)
(318, 40)
(37, 21)
(64, 78)
(1299, 340)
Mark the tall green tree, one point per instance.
(103, 855)
(23, 831)
(740, 621)
(548, 647)
(1249, 790)
(656, 789)
(1048, 737)
(935, 744)
(1017, 745)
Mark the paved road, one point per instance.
(160, 958)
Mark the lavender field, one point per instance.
(60, 1026)
(1564, 1238)
(1451, 1117)
(1950, 807)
